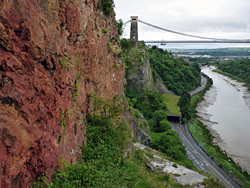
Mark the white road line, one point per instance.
(206, 162)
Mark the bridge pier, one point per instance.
(134, 29)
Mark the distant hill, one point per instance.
(214, 52)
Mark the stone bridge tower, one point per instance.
(134, 29)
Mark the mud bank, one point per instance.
(229, 133)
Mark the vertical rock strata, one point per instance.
(52, 54)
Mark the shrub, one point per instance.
(185, 106)
(119, 26)
(107, 6)
(126, 44)
(170, 144)
(160, 123)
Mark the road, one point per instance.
(199, 157)
(201, 88)
(201, 160)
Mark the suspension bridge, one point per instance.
(202, 39)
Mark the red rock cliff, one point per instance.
(52, 53)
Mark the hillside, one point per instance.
(177, 75)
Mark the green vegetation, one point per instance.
(177, 75)
(66, 63)
(133, 55)
(160, 122)
(77, 87)
(60, 138)
(47, 48)
(103, 163)
(204, 137)
(153, 107)
(116, 50)
(105, 30)
(107, 6)
(184, 104)
(171, 102)
(65, 60)
(126, 45)
(148, 103)
(63, 121)
(237, 69)
(119, 26)
(169, 143)
(77, 60)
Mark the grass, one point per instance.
(204, 137)
(171, 101)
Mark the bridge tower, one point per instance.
(134, 29)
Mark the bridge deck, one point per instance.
(196, 41)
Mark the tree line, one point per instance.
(239, 68)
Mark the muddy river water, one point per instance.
(226, 112)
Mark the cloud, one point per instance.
(211, 18)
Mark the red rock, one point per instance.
(43, 46)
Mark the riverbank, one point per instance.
(205, 139)
(242, 83)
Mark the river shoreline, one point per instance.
(209, 98)
(246, 91)
(210, 140)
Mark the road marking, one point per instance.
(206, 160)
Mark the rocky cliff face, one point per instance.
(139, 74)
(139, 126)
(52, 53)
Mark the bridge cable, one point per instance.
(189, 35)
(126, 22)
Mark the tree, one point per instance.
(169, 143)
(184, 104)
(160, 123)
(176, 74)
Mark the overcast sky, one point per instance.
(209, 18)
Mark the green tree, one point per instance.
(160, 123)
(239, 68)
(185, 106)
(170, 144)
(177, 75)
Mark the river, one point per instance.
(226, 113)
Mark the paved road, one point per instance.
(200, 158)
(201, 88)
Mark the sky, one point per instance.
(209, 18)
